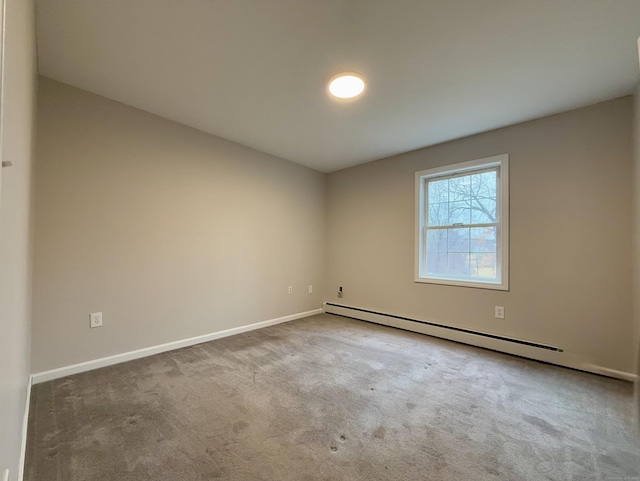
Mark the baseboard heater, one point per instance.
(452, 333)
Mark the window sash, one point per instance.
(466, 173)
(485, 280)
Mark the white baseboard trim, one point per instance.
(495, 342)
(605, 371)
(25, 425)
(169, 346)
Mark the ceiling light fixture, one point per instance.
(347, 85)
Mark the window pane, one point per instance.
(437, 240)
(458, 240)
(438, 214)
(482, 239)
(483, 265)
(459, 213)
(438, 191)
(437, 263)
(484, 185)
(458, 265)
(483, 211)
(460, 188)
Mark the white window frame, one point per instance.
(501, 163)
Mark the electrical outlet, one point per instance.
(310, 289)
(290, 290)
(95, 319)
(499, 312)
(340, 291)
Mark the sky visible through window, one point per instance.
(462, 226)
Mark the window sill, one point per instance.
(451, 282)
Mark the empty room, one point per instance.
(310, 240)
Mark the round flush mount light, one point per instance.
(347, 85)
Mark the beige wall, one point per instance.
(15, 226)
(170, 232)
(570, 187)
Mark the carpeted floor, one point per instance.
(329, 398)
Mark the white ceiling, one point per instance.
(255, 71)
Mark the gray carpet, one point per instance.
(329, 398)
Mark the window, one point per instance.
(462, 230)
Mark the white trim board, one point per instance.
(169, 346)
(559, 358)
(25, 426)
